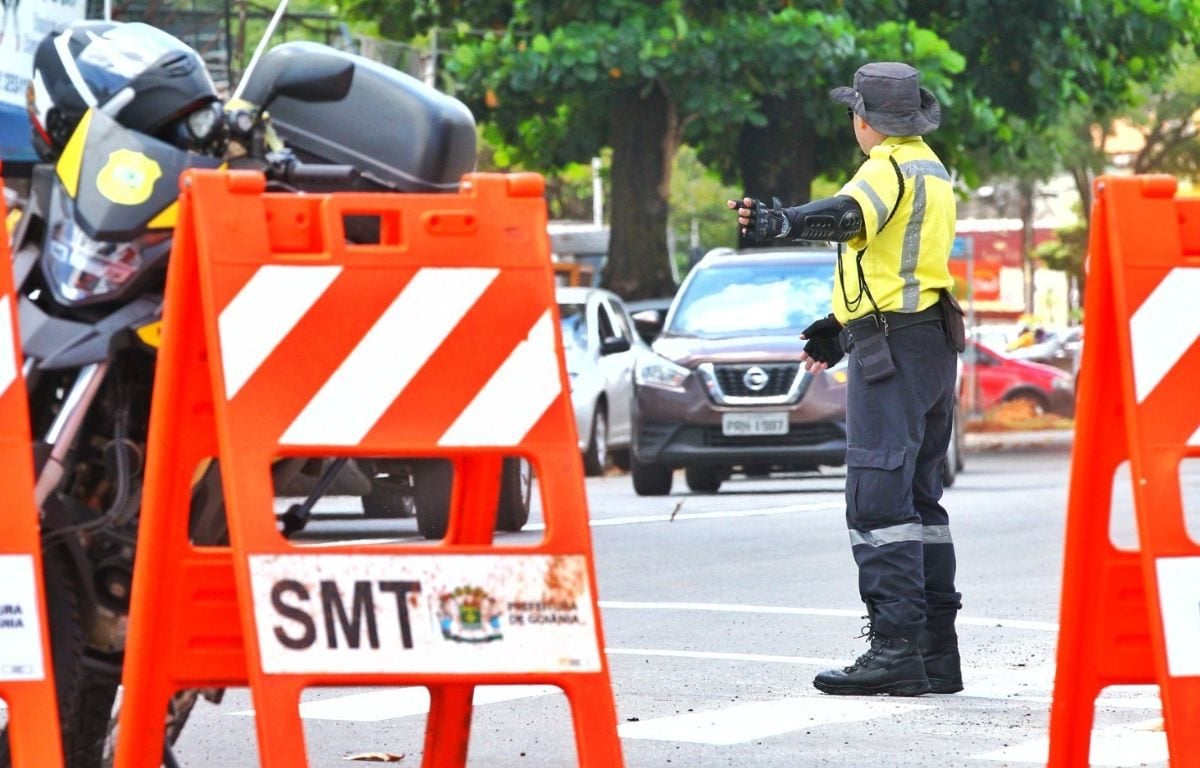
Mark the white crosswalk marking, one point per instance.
(1120, 745)
(390, 703)
(762, 719)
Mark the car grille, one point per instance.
(798, 434)
(732, 379)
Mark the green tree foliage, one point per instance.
(642, 78)
(552, 82)
(1169, 119)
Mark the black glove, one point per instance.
(824, 340)
(766, 223)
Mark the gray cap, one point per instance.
(887, 96)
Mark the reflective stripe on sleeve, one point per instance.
(925, 168)
(881, 210)
(894, 534)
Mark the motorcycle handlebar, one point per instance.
(301, 174)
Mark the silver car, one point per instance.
(600, 347)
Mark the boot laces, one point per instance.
(867, 631)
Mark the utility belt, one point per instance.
(867, 336)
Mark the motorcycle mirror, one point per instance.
(306, 71)
(321, 77)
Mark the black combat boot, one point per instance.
(892, 665)
(938, 643)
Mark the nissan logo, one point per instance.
(755, 379)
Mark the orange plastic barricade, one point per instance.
(1134, 617)
(26, 674)
(440, 340)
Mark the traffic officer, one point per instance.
(894, 315)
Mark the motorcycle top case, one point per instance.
(391, 126)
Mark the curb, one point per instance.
(1057, 440)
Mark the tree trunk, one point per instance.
(644, 141)
(779, 159)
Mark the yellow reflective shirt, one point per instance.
(906, 263)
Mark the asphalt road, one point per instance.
(716, 622)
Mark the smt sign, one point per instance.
(423, 613)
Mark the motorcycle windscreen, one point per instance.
(121, 180)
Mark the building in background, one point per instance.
(989, 249)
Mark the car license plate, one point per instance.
(754, 424)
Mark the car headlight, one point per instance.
(660, 373)
(839, 371)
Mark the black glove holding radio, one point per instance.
(824, 340)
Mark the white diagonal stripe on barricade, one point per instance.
(8, 350)
(515, 397)
(1163, 328)
(1178, 598)
(262, 313)
(1194, 440)
(390, 354)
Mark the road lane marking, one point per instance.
(760, 720)
(391, 703)
(1118, 745)
(715, 515)
(982, 621)
(721, 656)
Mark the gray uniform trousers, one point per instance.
(898, 431)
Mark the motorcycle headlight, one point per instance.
(659, 372)
(203, 122)
(83, 270)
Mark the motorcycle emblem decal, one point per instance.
(469, 615)
(755, 379)
(128, 177)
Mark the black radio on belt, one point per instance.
(868, 338)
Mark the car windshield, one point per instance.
(753, 299)
(574, 326)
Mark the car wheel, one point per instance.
(1037, 401)
(387, 503)
(595, 458)
(432, 485)
(704, 479)
(516, 488)
(650, 479)
(621, 458)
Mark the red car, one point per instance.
(995, 377)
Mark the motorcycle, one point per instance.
(119, 111)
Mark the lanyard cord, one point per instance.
(863, 288)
